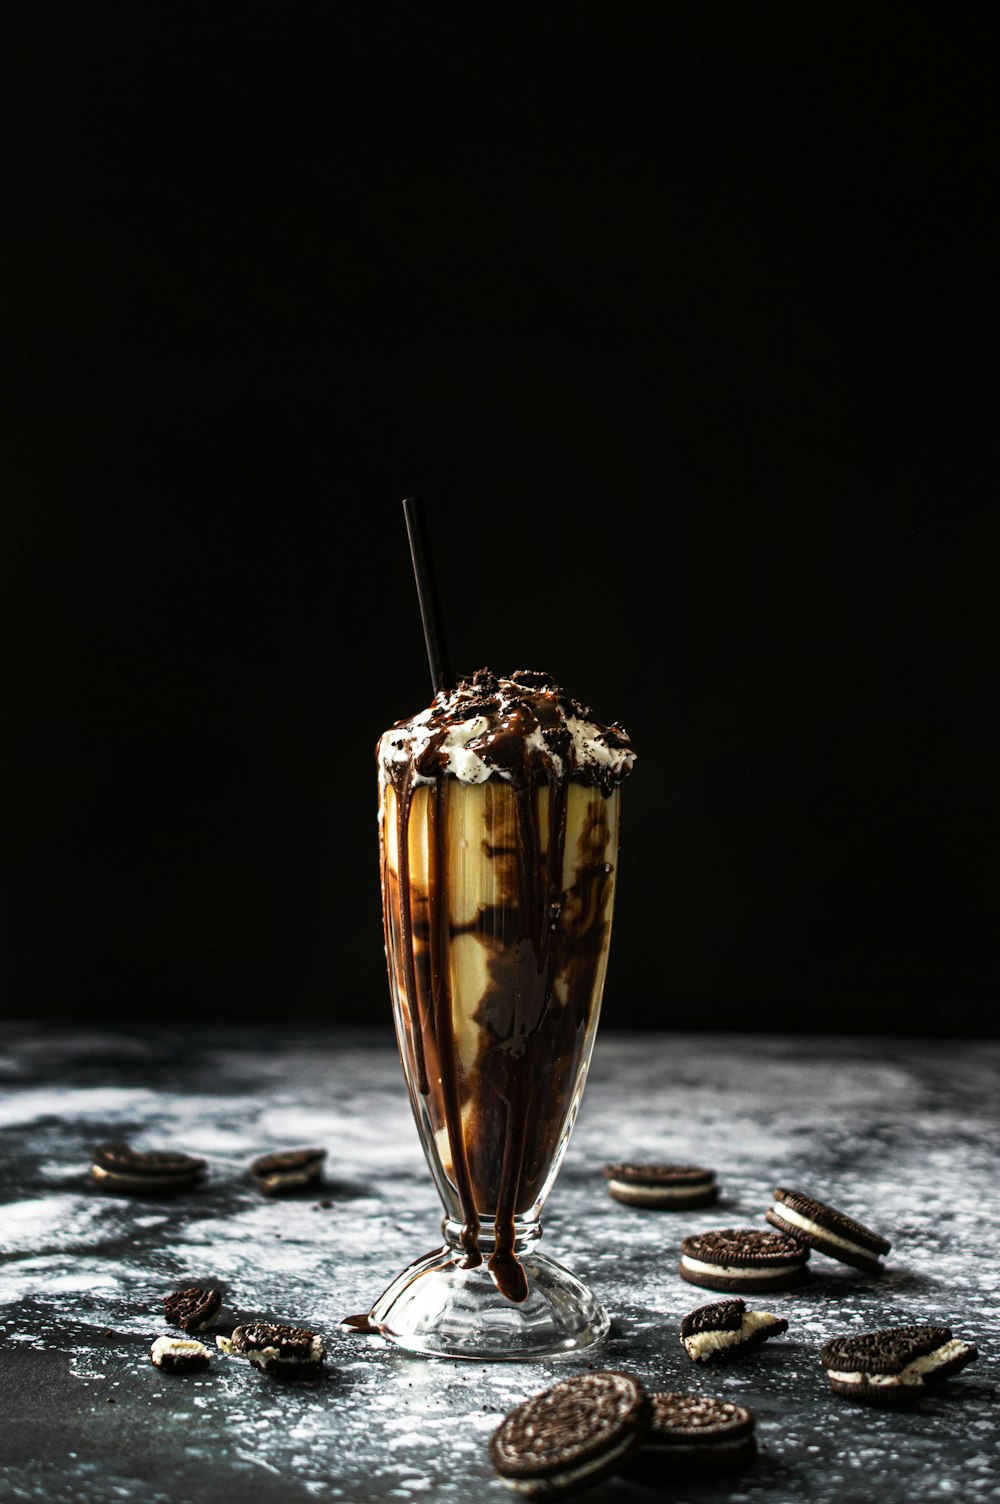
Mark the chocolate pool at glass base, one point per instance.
(499, 815)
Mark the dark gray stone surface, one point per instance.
(901, 1134)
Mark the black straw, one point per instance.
(427, 594)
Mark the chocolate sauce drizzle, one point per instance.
(362, 1324)
(530, 1061)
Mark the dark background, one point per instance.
(678, 316)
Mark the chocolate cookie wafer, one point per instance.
(660, 1186)
(892, 1366)
(727, 1330)
(179, 1355)
(742, 1258)
(571, 1436)
(694, 1430)
(282, 1352)
(288, 1170)
(193, 1309)
(828, 1231)
(119, 1167)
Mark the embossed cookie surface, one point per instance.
(661, 1186)
(727, 1329)
(694, 1430)
(281, 1351)
(893, 1365)
(827, 1230)
(572, 1435)
(194, 1308)
(742, 1258)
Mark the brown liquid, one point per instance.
(497, 903)
(362, 1324)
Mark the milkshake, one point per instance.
(498, 821)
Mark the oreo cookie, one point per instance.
(828, 1231)
(695, 1430)
(893, 1366)
(288, 1170)
(194, 1309)
(742, 1258)
(665, 1187)
(119, 1167)
(179, 1355)
(571, 1436)
(282, 1352)
(727, 1330)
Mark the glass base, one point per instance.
(438, 1308)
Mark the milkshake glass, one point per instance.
(498, 821)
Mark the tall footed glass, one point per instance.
(498, 877)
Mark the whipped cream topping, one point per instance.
(516, 729)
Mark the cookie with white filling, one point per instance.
(694, 1431)
(894, 1365)
(282, 1352)
(287, 1170)
(571, 1436)
(179, 1355)
(144, 1172)
(734, 1259)
(827, 1230)
(194, 1309)
(663, 1187)
(726, 1330)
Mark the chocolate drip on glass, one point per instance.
(441, 1010)
(497, 1108)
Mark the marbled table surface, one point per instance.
(903, 1134)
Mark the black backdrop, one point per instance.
(676, 315)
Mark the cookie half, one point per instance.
(282, 1352)
(742, 1258)
(665, 1187)
(193, 1309)
(727, 1330)
(695, 1430)
(893, 1365)
(119, 1167)
(571, 1436)
(289, 1170)
(180, 1354)
(827, 1230)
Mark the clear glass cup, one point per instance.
(497, 903)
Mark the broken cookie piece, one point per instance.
(194, 1309)
(119, 1167)
(892, 1366)
(726, 1329)
(289, 1170)
(692, 1431)
(283, 1352)
(179, 1354)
